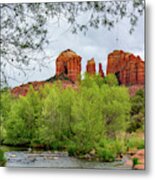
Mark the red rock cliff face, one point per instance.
(90, 67)
(101, 73)
(128, 68)
(69, 64)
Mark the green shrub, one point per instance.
(71, 148)
(137, 112)
(120, 146)
(50, 128)
(89, 80)
(2, 158)
(56, 115)
(135, 161)
(21, 125)
(57, 145)
(111, 80)
(6, 101)
(115, 109)
(106, 150)
(134, 141)
(87, 123)
(137, 122)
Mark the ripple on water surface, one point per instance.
(50, 159)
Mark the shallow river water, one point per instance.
(23, 157)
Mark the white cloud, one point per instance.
(97, 43)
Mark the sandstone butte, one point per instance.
(68, 69)
(129, 70)
(68, 63)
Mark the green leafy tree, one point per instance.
(115, 108)
(50, 127)
(21, 124)
(2, 158)
(90, 81)
(111, 80)
(5, 105)
(87, 124)
(55, 128)
(137, 111)
(67, 99)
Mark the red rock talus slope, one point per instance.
(128, 68)
(24, 88)
(90, 67)
(134, 88)
(69, 64)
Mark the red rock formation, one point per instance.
(69, 64)
(68, 70)
(140, 155)
(24, 88)
(101, 73)
(90, 67)
(128, 68)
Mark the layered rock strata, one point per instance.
(128, 68)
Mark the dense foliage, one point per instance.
(137, 111)
(92, 119)
(2, 158)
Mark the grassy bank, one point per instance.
(2, 158)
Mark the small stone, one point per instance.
(13, 155)
(129, 163)
(140, 152)
(132, 152)
(92, 152)
(87, 156)
(55, 158)
(118, 158)
(139, 167)
(141, 161)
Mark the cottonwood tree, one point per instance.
(24, 29)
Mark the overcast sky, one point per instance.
(96, 43)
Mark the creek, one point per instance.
(27, 158)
